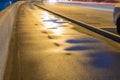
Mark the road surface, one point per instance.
(98, 18)
(46, 47)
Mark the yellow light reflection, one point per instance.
(50, 25)
(53, 27)
(52, 17)
(46, 15)
(57, 31)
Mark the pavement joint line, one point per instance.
(36, 24)
(56, 44)
(68, 54)
(104, 33)
(50, 37)
(44, 32)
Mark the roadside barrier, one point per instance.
(6, 24)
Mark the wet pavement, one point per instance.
(46, 47)
(107, 6)
(100, 19)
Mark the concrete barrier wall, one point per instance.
(6, 24)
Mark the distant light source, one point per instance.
(52, 1)
(10, 2)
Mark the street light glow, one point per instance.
(52, 1)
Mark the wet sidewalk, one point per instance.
(46, 47)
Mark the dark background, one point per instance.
(6, 3)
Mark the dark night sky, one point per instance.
(7, 0)
(5, 3)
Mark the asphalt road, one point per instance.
(96, 5)
(98, 18)
(46, 47)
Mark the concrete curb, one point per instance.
(6, 24)
(90, 27)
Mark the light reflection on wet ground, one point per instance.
(101, 57)
(93, 54)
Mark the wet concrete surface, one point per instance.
(95, 17)
(92, 16)
(45, 49)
